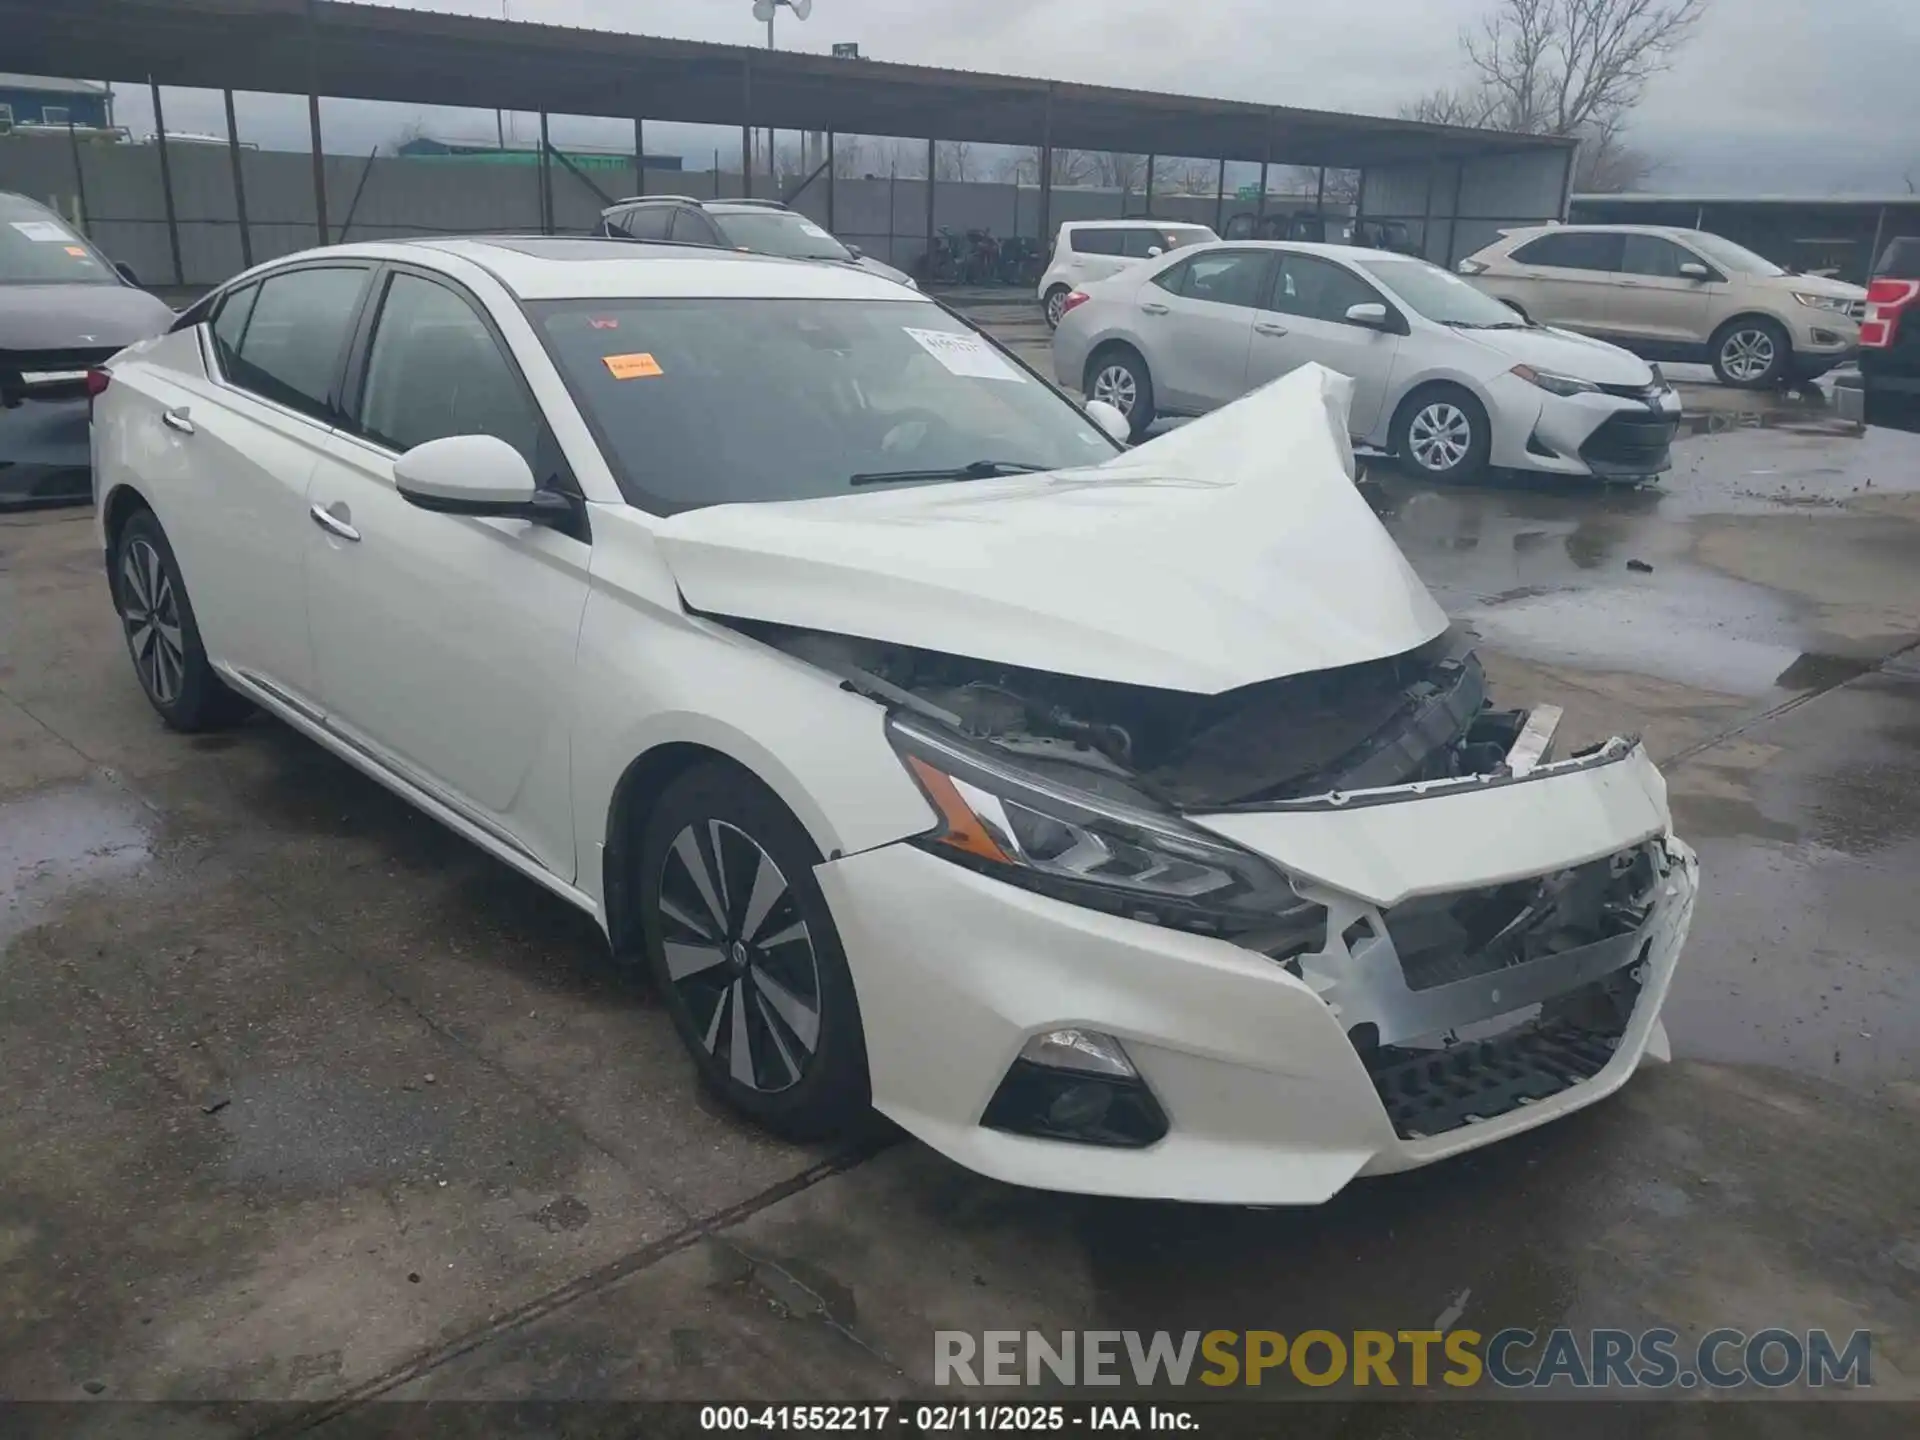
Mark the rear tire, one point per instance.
(1442, 433)
(746, 956)
(163, 637)
(1751, 353)
(1120, 377)
(1056, 302)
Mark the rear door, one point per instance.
(241, 445)
(1654, 301)
(1305, 320)
(445, 644)
(1565, 277)
(1196, 322)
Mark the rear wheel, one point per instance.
(1751, 353)
(1056, 305)
(163, 637)
(1443, 433)
(1119, 376)
(746, 956)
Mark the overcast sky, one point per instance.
(1771, 95)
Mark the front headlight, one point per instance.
(1034, 831)
(1555, 384)
(1839, 305)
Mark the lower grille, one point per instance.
(1432, 1092)
(1631, 444)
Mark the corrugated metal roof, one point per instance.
(52, 84)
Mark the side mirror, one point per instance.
(1373, 315)
(475, 475)
(856, 252)
(1109, 419)
(1154, 251)
(126, 272)
(1693, 270)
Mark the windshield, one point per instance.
(38, 248)
(780, 232)
(1440, 295)
(1729, 256)
(716, 401)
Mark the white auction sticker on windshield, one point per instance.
(965, 354)
(809, 228)
(45, 231)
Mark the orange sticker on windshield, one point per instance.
(632, 367)
(76, 250)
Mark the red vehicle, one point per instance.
(1888, 389)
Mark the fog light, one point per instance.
(1076, 1085)
(1087, 1050)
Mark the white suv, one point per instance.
(1089, 250)
(1671, 294)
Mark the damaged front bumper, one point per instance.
(1495, 955)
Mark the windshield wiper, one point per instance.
(977, 470)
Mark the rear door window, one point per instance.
(1573, 250)
(690, 227)
(644, 222)
(230, 325)
(1139, 244)
(1094, 240)
(1227, 277)
(295, 334)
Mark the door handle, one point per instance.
(334, 524)
(1267, 327)
(176, 419)
(1153, 307)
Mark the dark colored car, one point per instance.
(765, 227)
(64, 308)
(1888, 390)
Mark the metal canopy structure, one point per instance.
(374, 52)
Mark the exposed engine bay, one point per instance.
(1422, 715)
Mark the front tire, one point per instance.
(746, 956)
(1120, 377)
(1750, 353)
(1056, 305)
(1442, 433)
(163, 637)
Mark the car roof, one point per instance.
(1302, 247)
(567, 267)
(1136, 223)
(1533, 232)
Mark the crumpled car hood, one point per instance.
(1233, 550)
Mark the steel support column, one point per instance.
(1873, 255)
(546, 178)
(830, 182)
(84, 219)
(639, 156)
(239, 186)
(319, 166)
(1453, 215)
(1220, 198)
(166, 183)
(1046, 172)
(1266, 159)
(930, 159)
(746, 128)
(1150, 160)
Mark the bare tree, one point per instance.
(1574, 68)
(954, 160)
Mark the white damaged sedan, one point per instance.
(1127, 822)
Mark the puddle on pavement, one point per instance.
(56, 839)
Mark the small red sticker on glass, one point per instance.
(603, 322)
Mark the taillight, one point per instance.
(1886, 299)
(97, 380)
(1473, 267)
(1078, 297)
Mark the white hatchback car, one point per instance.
(1445, 377)
(1127, 822)
(1089, 250)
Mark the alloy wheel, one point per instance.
(151, 613)
(1440, 436)
(1748, 354)
(1115, 385)
(1056, 307)
(739, 956)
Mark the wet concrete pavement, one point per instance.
(305, 1099)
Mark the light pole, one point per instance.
(765, 10)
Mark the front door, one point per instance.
(1566, 278)
(1305, 318)
(1654, 301)
(1196, 321)
(445, 644)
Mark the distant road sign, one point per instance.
(846, 51)
(1247, 192)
